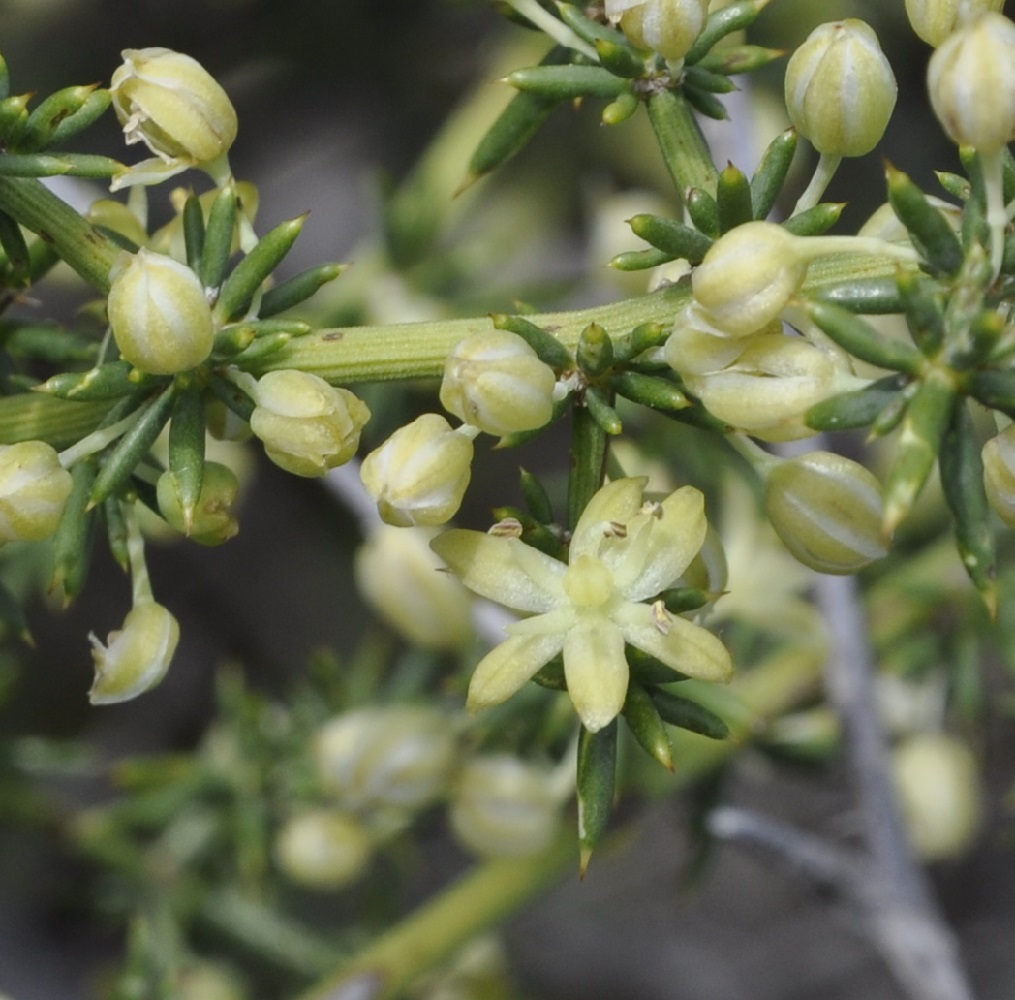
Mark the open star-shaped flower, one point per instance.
(623, 552)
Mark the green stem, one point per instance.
(685, 151)
(349, 355)
(419, 350)
(31, 416)
(491, 892)
(77, 241)
(823, 174)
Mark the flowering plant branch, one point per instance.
(759, 332)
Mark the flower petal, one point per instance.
(559, 620)
(508, 666)
(151, 171)
(596, 671)
(504, 570)
(683, 646)
(656, 558)
(618, 502)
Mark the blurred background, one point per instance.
(336, 103)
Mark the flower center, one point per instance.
(588, 583)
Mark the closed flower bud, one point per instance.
(213, 522)
(669, 27)
(939, 790)
(136, 657)
(306, 425)
(158, 313)
(174, 106)
(748, 276)
(205, 980)
(999, 474)
(323, 849)
(827, 510)
(399, 577)
(494, 381)
(770, 387)
(971, 79)
(935, 20)
(503, 807)
(386, 757)
(33, 491)
(693, 348)
(419, 475)
(840, 90)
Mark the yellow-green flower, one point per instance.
(623, 553)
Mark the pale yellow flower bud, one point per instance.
(940, 793)
(136, 657)
(323, 849)
(503, 807)
(935, 20)
(971, 80)
(839, 89)
(213, 522)
(420, 474)
(669, 27)
(494, 381)
(827, 509)
(999, 474)
(770, 387)
(33, 491)
(693, 348)
(398, 575)
(169, 102)
(158, 313)
(205, 980)
(386, 757)
(306, 425)
(748, 276)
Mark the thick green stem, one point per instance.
(685, 151)
(85, 248)
(491, 892)
(31, 416)
(349, 355)
(419, 350)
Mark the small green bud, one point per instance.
(420, 474)
(213, 521)
(306, 425)
(397, 574)
(935, 20)
(840, 90)
(34, 488)
(502, 807)
(323, 849)
(669, 27)
(971, 80)
(999, 474)
(495, 381)
(827, 509)
(172, 104)
(386, 757)
(939, 789)
(158, 313)
(136, 657)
